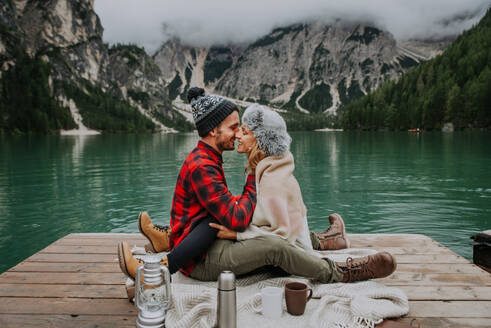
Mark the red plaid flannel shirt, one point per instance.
(201, 191)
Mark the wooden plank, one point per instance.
(114, 267)
(418, 309)
(396, 239)
(414, 293)
(65, 290)
(360, 236)
(98, 235)
(447, 293)
(413, 250)
(108, 258)
(357, 240)
(65, 321)
(452, 309)
(407, 279)
(430, 258)
(91, 321)
(88, 321)
(437, 279)
(449, 322)
(98, 242)
(73, 258)
(371, 236)
(424, 249)
(383, 242)
(67, 249)
(356, 236)
(439, 268)
(71, 306)
(63, 278)
(65, 267)
(390, 240)
(112, 249)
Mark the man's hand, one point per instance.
(224, 232)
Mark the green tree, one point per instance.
(452, 87)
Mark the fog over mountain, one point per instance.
(149, 23)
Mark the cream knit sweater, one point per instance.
(279, 209)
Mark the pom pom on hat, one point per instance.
(269, 128)
(195, 93)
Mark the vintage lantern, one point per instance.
(152, 292)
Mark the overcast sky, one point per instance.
(149, 23)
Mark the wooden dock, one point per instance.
(76, 282)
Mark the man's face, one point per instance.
(225, 135)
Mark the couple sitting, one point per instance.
(271, 231)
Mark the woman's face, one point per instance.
(245, 138)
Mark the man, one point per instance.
(201, 196)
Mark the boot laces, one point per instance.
(329, 229)
(161, 228)
(325, 234)
(358, 269)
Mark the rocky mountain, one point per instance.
(56, 73)
(309, 67)
(66, 37)
(140, 81)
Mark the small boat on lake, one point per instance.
(416, 130)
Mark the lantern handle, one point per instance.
(138, 291)
(166, 275)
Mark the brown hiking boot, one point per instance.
(335, 236)
(128, 263)
(379, 265)
(157, 235)
(333, 243)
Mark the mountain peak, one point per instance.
(311, 67)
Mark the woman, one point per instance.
(279, 209)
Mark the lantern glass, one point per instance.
(153, 298)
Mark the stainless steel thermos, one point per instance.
(227, 301)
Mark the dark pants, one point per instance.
(193, 246)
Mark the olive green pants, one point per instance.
(245, 256)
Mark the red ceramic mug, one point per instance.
(297, 294)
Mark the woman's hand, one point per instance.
(224, 232)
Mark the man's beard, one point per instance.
(224, 144)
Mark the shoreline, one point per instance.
(329, 129)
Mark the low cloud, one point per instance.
(149, 23)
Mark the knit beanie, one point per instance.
(269, 128)
(208, 110)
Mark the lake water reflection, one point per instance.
(433, 183)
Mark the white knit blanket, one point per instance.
(361, 304)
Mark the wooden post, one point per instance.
(481, 254)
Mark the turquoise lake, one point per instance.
(437, 184)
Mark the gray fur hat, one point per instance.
(269, 128)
